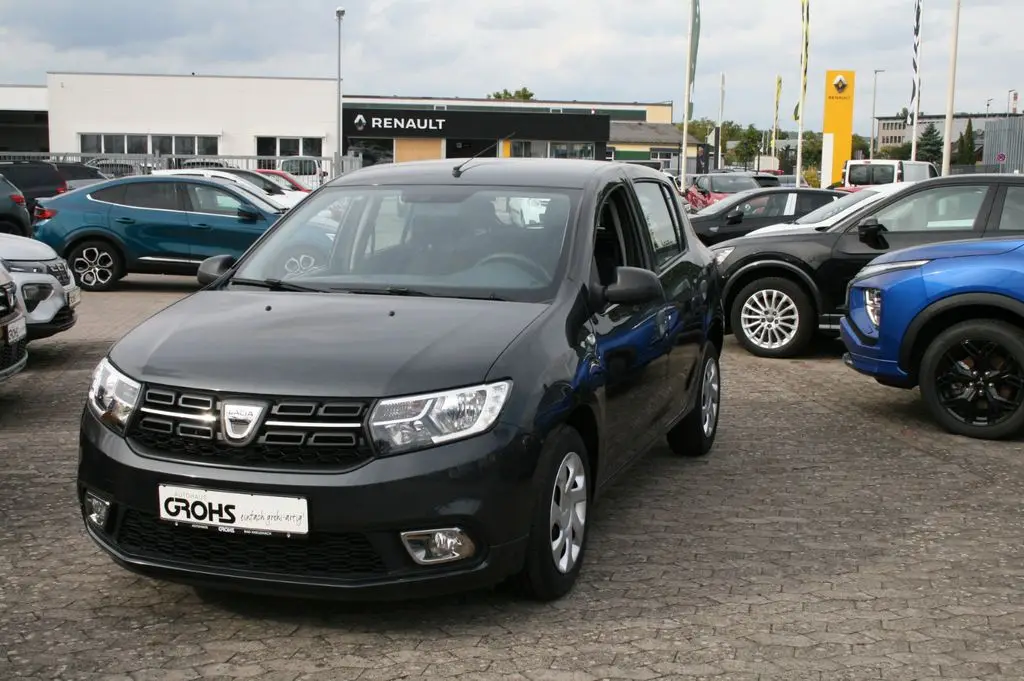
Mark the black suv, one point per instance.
(42, 179)
(14, 215)
(436, 406)
(782, 287)
(13, 332)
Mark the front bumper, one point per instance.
(13, 358)
(56, 313)
(868, 358)
(353, 551)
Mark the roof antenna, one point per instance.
(457, 170)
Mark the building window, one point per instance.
(138, 144)
(163, 145)
(113, 144)
(529, 149)
(290, 146)
(579, 150)
(372, 150)
(207, 146)
(91, 144)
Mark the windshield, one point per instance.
(251, 196)
(468, 241)
(833, 209)
(279, 181)
(260, 181)
(725, 205)
(860, 174)
(730, 184)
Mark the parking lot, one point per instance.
(833, 533)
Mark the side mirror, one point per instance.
(869, 230)
(247, 212)
(634, 285)
(734, 217)
(213, 268)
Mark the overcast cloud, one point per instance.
(561, 49)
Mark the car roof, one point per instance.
(525, 172)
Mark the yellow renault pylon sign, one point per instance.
(837, 130)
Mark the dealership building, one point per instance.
(106, 113)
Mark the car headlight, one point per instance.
(873, 305)
(26, 266)
(406, 423)
(112, 396)
(886, 267)
(721, 254)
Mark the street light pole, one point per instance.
(874, 100)
(947, 148)
(339, 14)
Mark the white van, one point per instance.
(867, 173)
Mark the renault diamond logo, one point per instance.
(240, 421)
(360, 122)
(839, 84)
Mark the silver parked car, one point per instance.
(45, 286)
(13, 350)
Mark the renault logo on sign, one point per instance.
(360, 122)
(839, 84)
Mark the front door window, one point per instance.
(942, 208)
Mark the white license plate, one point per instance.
(233, 512)
(16, 331)
(74, 296)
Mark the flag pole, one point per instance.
(721, 121)
(685, 160)
(804, 58)
(950, 93)
(916, 103)
(775, 124)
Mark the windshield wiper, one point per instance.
(276, 285)
(385, 291)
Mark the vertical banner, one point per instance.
(694, 44)
(915, 87)
(775, 125)
(838, 123)
(693, 39)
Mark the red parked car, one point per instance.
(284, 179)
(708, 189)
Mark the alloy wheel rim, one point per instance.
(568, 517)
(93, 267)
(770, 319)
(980, 383)
(709, 396)
(299, 263)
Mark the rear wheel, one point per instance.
(972, 379)
(695, 434)
(97, 264)
(8, 227)
(558, 534)
(773, 317)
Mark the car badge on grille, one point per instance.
(240, 421)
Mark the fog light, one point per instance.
(35, 294)
(429, 547)
(96, 510)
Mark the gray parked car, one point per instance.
(44, 285)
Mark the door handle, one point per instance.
(203, 225)
(125, 221)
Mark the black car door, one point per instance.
(932, 213)
(680, 272)
(631, 341)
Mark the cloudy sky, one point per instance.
(561, 49)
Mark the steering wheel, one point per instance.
(516, 259)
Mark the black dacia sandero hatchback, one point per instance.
(433, 405)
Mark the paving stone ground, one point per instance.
(833, 534)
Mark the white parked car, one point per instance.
(45, 285)
(277, 196)
(309, 171)
(831, 213)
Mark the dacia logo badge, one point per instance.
(240, 421)
(360, 122)
(839, 84)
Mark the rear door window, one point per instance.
(808, 202)
(863, 174)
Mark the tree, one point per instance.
(860, 144)
(701, 128)
(749, 145)
(929, 145)
(965, 146)
(523, 94)
(899, 152)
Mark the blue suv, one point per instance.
(948, 318)
(163, 225)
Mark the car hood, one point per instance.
(783, 228)
(331, 345)
(22, 248)
(951, 249)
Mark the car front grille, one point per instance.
(292, 433)
(324, 555)
(7, 292)
(59, 270)
(12, 354)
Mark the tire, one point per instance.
(541, 579)
(689, 437)
(8, 227)
(301, 259)
(1009, 340)
(97, 265)
(785, 297)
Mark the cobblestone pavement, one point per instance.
(834, 533)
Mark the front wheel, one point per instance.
(773, 317)
(97, 265)
(558, 534)
(972, 379)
